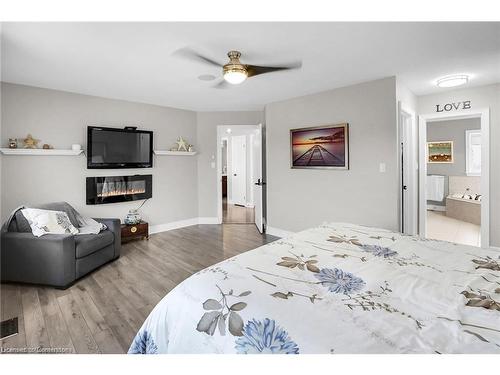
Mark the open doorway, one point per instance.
(454, 177)
(240, 174)
(453, 184)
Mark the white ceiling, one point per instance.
(134, 61)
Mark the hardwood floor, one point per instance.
(102, 312)
(233, 214)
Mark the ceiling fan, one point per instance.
(234, 72)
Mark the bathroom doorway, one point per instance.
(454, 178)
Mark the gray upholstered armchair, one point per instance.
(55, 259)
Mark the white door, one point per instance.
(238, 169)
(405, 168)
(257, 175)
(408, 177)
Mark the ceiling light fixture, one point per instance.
(234, 71)
(453, 81)
(228, 131)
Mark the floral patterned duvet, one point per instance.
(338, 288)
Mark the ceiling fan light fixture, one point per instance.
(234, 71)
(235, 77)
(453, 81)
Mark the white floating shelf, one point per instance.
(174, 153)
(39, 151)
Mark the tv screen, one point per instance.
(119, 148)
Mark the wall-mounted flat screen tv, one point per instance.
(119, 148)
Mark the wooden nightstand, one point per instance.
(136, 231)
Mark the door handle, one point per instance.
(234, 174)
(259, 183)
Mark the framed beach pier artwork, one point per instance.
(440, 152)
(320, 147)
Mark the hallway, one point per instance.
(233, 214)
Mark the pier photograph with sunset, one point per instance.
(320, 147)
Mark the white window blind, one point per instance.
(473, 152)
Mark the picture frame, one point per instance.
(440, 152)
(320, 147)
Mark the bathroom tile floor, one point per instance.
(441, 227)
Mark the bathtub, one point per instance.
(468, 210)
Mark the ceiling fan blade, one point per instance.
(190, 54)
(222, 85)
(254, 70)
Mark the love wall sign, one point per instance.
(453, 106)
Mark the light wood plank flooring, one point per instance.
(102, 312)
(233, 214)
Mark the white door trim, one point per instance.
(218, 174)
(411, 224)
(239, 172)
(257, 175)
(218, 164)
(484, 115)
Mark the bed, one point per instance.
(337, 288)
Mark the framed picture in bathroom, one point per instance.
(440, 152)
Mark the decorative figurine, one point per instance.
(181, 144)
(30, 142)
(190, 148)
(46, 146)
(12, 142)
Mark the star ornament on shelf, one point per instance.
(181, 144)
(30, 142)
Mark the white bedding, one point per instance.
(338, 288)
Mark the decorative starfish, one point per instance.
(30, 142)
(181, 144)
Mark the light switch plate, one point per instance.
(382, 168)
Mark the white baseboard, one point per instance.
(208, 220)
(182, 224)
(247, 204)
(172, 225)
(435, 207)
(278, 232)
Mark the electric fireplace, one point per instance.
(113, 189)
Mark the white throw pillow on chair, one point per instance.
(48, 222)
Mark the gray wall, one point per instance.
(1, 155)
(60, 119)
(451, 130)
(207, 145)
(302, 198)
(480, 97)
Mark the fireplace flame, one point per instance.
(114, 193)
